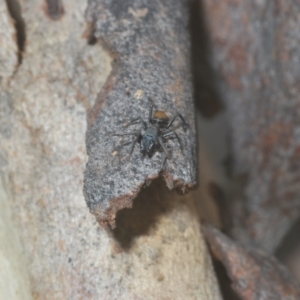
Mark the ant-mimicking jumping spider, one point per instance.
(156, 132)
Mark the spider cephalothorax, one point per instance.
(154, 133)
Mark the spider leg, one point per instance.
(150, 112)
(164, 161)
(122, 145)
(170, 133)
(126, 133)
(137, 121)
(161, 142)
(185, 124)
(133, 143)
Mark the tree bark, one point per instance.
(255, 53)
(156, 251)
(150, 45)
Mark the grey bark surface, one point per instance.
(44, 104)
(150, 44)
(255, 48)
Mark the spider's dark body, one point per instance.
(148, 141)
(153, 135)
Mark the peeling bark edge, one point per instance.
(173, 94)
(254, 274)
(108, 217)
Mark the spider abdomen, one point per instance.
(149, 141)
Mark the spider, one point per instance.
(155, 133)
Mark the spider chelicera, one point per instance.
(154, 134)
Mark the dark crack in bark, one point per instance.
(15, 12)
(54, 9)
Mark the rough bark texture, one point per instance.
(254, 275)
(151, 46)
(44, 104)
(255, 48)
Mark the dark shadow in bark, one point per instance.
(224, 282)
(15, 12)
(206, 94)
(55, 9)
(151, 203)
(289, 243)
